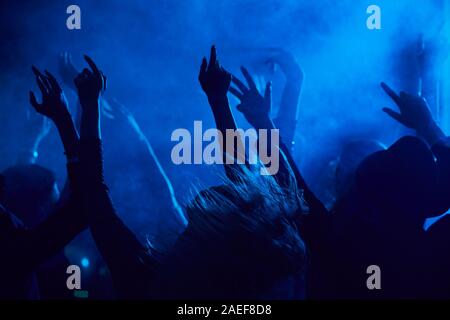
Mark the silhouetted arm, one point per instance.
(415, 114)
(68, 72)
(28, 248)
(112, 109)
(256, 109)
(125, 256)
(215, 81)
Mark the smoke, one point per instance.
(151, 52)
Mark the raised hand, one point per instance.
(54, 106)
(414, 114)
(54, 102)
(214, 79)
(67, 70)
(414, 111)
(90, 84)
(254, 106)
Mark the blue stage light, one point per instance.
(85, 262)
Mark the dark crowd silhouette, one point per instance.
(252, 236)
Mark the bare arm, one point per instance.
(31, 247)
(125, 256)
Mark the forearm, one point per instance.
(225, 121)
(90, 120)
(121, 250)
(69, 136)
(222, 114)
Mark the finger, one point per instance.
(203, 67)
(239, 84)
(391, 93)
(249, 79)
(42, 86)
(93, 66)
(46, 82)
(227, 74)
(268, 92)
(395, 115)
(33, 101)
(41, 76)
(53, 82)
(41, 80)
(212, 57)
(235, 92)
(36, 71)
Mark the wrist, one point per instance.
(90, 105)
(69, 138)
(63, 120)
(216, 100)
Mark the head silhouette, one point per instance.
(400, 182)
(352, 154)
